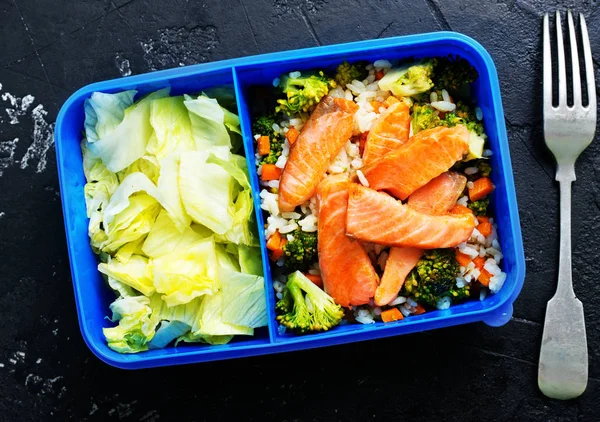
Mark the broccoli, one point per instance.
(303, 92)
(454, 75)
(346, 73)
(300, 252)
(479, 207)
(264, 126)
(434, 278)
(409, 80)
(314, 312)
(424, 117)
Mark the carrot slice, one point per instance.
(390, 100)
(270, 172)
(479, 262)
(484, 277)
(379, 74)
(264, 145)
(460, 209)
(316, 279)
(292, 135)
(419, 309)
(481, 188)
(391, 315)
(483, 219)
(463, 259)
(276, 254)
(377, 105)
(485, 228)
(274, 241)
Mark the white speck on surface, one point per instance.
(43, 139)
(151, 416)
(55, 331)
(1, 364)
(123, 65)
(13, 361)
(94, 409)
(7, 154)
(22, 354)
(38, 361)
(18, 106)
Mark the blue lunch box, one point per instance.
(93, 297)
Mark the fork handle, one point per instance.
(565, 175)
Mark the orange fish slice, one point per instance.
(389, 132)
(439, 195)
(399, 264)
(346, 269)
(426, 155)
(435, 198)
(320, 141)
(377, 217)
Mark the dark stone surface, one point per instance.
(473, 372)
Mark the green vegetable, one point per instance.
(346, 73)
(171, 216)
(301, 252)
(263, 126)
(434, 277)
(464, 115)
(454, 74)
(409, 80)
(424, 116)
(303, 93)
(305, 307)
(479, 207)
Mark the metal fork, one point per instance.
(568, 130)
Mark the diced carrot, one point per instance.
(463, 259)
(481, 188)
(379, 74)
(316, 279)
(276, 254)
(460, 209)
(274, 241)
(292, 135)
(483, 219)
(270, 172)
(419, 309)
(264, 145)
(391, 315)
(377, 105)
(390, 100)
(479, 262)
(485, 228)
(484, 277)
(362, 140)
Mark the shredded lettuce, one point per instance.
(136, 326)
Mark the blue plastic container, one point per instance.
(93, 296)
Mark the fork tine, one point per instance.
(574, 61)
(547, 66)
(562, 72)
(589, 65)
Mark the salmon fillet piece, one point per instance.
(346, 269)
(320, 141)
(435, 198)
(378, 218)
(389, 132)
(439, 195)
(399, 264)
(426, 155)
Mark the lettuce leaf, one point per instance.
(136, 325)
(211, 123)
(135, 273)
(172, 127)
(207, 190)
(104, 112)
(210, 322)
(168, 186)
(124, 143)
(187, 273)
(250, 260)
(244, 300)
(164, 237)
(146, 164)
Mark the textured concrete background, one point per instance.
(48, 49)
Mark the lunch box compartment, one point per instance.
(92, 295)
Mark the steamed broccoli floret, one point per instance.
(424, 117)
(303, 93)
(305, 307)
(479, 207)
(485, 169)
(346, 73)
(300, 252)
(434, 278)
(454, 75)
(409, 80)
(263, 126)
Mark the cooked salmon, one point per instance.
(435, 198)
(426, 155)
(320, 141)
(377, 217)
(399, 264)
(439, 195)
(389, 132)
(346, 269)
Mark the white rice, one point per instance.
(443, 303)
(295, 75)
(364, 316)
(471, 170)
(445, 96)
(382, 64)
(398, 301)
(433, 97)
(361, 177)
(478, 113)
(443, 106)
